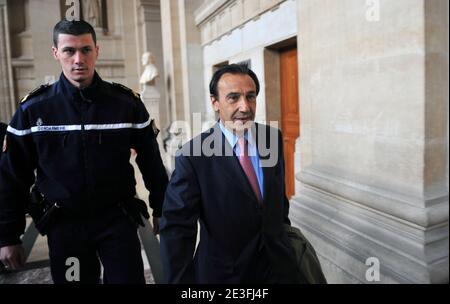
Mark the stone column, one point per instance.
(41, 30)
(182, 67)
(150, 23)
(192, 60)
(130, 42)
(7, 101)
(183, 59)
(177, 97)
(152, 100)
(374, 170)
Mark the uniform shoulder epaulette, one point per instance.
(35, 92)
(126, 89)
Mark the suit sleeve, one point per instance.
(149, 160)
(17, 165)
(181, 211)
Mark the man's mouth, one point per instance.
(79, 69)
(243, 118)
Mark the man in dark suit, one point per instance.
(231, 180)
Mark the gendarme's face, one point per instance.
(237, 101)
(77, 56)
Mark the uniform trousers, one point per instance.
(110, 238)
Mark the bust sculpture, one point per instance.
(150, 73)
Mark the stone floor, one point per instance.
(34, 276)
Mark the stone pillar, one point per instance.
(151, 98)
(374, 120)
(150, 24)
(130, 43)
(183, 66)
(7, 101)
(183, 59)
(152, 101)
(192, 60)
(177, 97)
(41, 30)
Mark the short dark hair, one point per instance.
(242, 69)
(75, 28)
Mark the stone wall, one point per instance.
(374, 126)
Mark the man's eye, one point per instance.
(68, 51)
(234, 97)
(86, 51)
(251, 97)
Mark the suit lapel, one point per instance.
(229, 163)
(268, 171)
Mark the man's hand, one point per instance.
(155, 225)
(13, 257)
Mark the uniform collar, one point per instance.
(90, 92)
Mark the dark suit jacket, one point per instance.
(240, 241)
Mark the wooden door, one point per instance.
(290, 118)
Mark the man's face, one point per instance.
(237, 101)
(77, 56)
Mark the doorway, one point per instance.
(290, 114)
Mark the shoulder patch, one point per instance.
(126, 89)
(35, 92)
(154, 128)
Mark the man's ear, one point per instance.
(97, 51)
(55, 52)
(214, 102)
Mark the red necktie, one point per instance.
(247, 166)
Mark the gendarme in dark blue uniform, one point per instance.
(78, 143)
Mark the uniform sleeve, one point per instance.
(149, 160)
(17, 165)
(181, 212)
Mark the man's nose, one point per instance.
(243, 104)
(78, 57)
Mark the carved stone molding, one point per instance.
(151, 10)
(219, 17)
